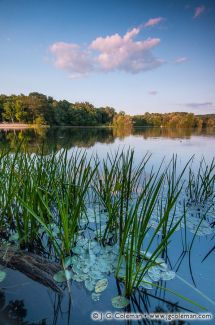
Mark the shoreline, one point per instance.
(17, 126)
(23, 126)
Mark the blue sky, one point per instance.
(133, 55)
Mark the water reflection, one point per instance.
(68, 137)
(14, 312)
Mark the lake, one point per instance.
(158, 141)
(25, 302)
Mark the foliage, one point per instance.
(40, 109)
(174, 120)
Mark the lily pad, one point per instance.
(82, 242)
(2, 275)
(89, 284)
(159, 260)
(68, 261)
(62, 276)
(79, 277)
(96, 274)
(77, 268)
(154, 273)
(162, 266)
(101, 285)
(78, 250)
(120, 302)
(146, 283)
(167, 275)
(95, 296)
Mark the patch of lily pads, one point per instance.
(92, 263)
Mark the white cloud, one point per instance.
(153, 21)
(110, 53)
(71, 57)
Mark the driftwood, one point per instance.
(34, 266)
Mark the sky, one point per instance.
(134, 55)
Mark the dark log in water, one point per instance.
(35, 267)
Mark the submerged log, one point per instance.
(34, 266)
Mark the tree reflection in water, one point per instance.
(67, 137)
(14, 312)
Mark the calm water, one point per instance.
(158, 141)
(25, 302)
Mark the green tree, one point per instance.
(9, 111)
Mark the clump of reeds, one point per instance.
(201, 185)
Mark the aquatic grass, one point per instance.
(55, 181)
(202, 184)
(119, 182)
(138, 226)
(63, 206)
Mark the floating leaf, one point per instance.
(2, 275)
(62, 276)
(120, 302)
(101, 285)
(78, 249)
(159, 260)
(89, 284)
(85, 269)
(77, 268)
(96, 274)
(79, 277)
(95, 296)
(82, 242)
(146, 282)
(154, 273)
(68, 261)
(167, 275)
(74, 259)
(162, 266)
(104, 265)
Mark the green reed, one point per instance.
(119, 182)
(63, 204)
(137, 251)
(201, 185)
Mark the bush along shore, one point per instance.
(70, 217)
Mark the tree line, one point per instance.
(39, 109)
(175, 120)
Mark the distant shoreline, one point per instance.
(18, 126)
(23, 126)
